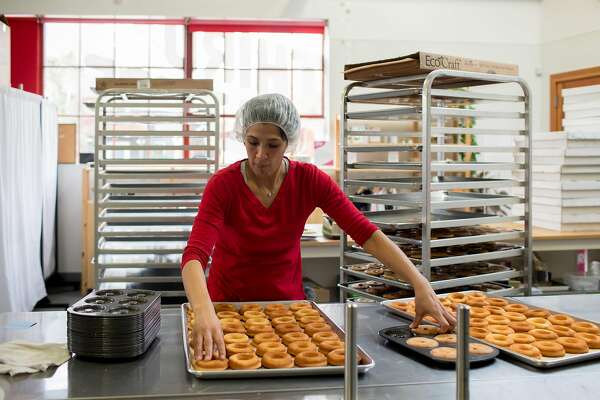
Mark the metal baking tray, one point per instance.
(448, 200)
(507, 273)
(366, 362)
(438, 183)
(158, 174)
(460, 240)
(409, 113)
(407, 219)
(398, 335)
(544, 362)
(125, 188)
(514, 251)
(438, 166)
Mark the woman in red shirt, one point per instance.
(251, 219)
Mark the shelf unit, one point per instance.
(438, 190)
(155, 150)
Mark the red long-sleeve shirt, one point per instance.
(256, 249)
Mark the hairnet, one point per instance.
(271, 108)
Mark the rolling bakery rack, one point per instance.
(155, 149)
(438, 207)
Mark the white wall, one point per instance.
(361, 30)
(570, 41)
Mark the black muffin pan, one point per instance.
(398, 335)
(113, 324)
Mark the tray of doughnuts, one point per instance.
(539, 337)
(429, 343)
(267, 339)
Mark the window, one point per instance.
(245, 64)
(242, 63)
(76, 53)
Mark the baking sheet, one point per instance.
(366, 362)
(544, 362)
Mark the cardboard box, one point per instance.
(143, 83)
(422, 63)
(67, 143)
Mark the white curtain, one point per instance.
(49, 186)
(22, 167)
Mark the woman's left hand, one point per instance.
(427, 303)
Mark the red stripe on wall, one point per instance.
(258, 26)
(26, 54)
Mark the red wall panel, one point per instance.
(26, 54)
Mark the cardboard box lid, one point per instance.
(148, 83)
(421, 63)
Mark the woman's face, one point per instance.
(265, 148)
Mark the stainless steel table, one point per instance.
(160, 373)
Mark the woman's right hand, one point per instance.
(207, 334)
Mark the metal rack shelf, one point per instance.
(444, 192)
(149, 181)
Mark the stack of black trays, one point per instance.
(113, 323)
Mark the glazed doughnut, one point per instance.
(522, 338)
(495, 310)
(475, 301)
(426, 330)
(283, 320)
(253, 330)
(210, 365)
(233, 328)
(235, 338)
(225, 307)
(457, 297)
(228, 314)
(477, 294)
(478, 322)
(573, 345)
(305, 312)
(297, 306)
(550, 348)
(275, 306)
(276, 360)
(315, 327)
(329, 345)
(562, 331)
(593, 341)
(501, 329)
(479, 312)
(236, 348)
(230, 321)
(561, 319)
(279, 312)
(254, 314)
(526, 349)
(398, 305)
(296, 348)
(539, 323)
(422, 342)
(282, 329)
(250, 307)
(322, 336)
(587, 327)
(447, 353)
(499, 339)
(295, 337)
(478, 333)
(518, 308)
(495, 301)
(311, 359)
(256, 321)
(497, 320)
(543, 334)
(480, 349)
(513, 316)
(537, 313)
(265, 337)
(336, 357)
(244, 361)
(446, 338)
(521, 326)
(270, 347)
(309, 320)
